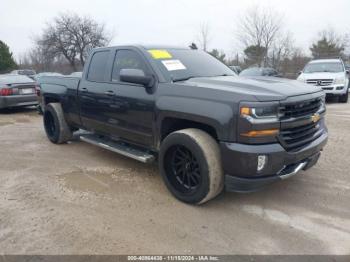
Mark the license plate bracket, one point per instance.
(26, 91)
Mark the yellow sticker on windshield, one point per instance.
(160, 54)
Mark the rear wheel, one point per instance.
(190, 165)
(56, 127)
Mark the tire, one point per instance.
(344, 98)
(56, 127)
(190, 164)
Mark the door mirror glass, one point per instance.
(135, 76)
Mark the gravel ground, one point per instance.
(80, 199)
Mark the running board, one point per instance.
(118, 147)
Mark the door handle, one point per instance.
(84, 89)
(109, 93)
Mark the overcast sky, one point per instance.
(173, 22)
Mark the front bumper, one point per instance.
(335, 89)
(240, 163)
(18, 100)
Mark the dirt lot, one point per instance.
(80, 199)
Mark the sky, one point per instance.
(171, 22)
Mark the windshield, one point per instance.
(331, 67)
(182, 64)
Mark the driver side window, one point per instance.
(127, 59)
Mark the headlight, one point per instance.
(339, 81)
(259, 122)
(323, 103)
(267, 112)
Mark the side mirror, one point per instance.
(300, 72)
(135, 76)
(347, 72)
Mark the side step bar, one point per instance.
(119, 147)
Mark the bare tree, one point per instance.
(204, 35)
(73, 37)
(259, 28)
(281, 50)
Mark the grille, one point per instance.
(299, 109)
(297, 137)
(320, 82)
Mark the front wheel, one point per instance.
(344, 98)
(56, 127)
(190, 165)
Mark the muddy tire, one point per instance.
(56, 127)
(190, 164)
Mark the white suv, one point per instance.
(330, 75)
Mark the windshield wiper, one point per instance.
(183, 79)
(223, 75)
(189, 77)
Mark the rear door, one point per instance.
(96, 95)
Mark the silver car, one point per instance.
(17, 91)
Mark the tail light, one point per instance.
(37, 89)
(6, 91)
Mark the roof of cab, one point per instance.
(146, 47)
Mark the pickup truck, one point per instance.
(208, 128)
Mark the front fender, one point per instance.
(218, 115)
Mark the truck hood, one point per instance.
(262, 88)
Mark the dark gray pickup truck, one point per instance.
(208, 128)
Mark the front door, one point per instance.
(134, 104)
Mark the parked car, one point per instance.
(236, 69)
(39, 75)
(329, 74)
(27, 72)
(76, 74)
(208, 128)
(260, 71)
(17, 91)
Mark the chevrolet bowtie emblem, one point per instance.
(315, 118)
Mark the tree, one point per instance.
(255, 55)
(7, 62)
(258, 30)
(330, 44)
(282, 50)
(204, 36)
(73, 37)
(220, 55)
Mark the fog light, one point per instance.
(340, 87)
(262, 159)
